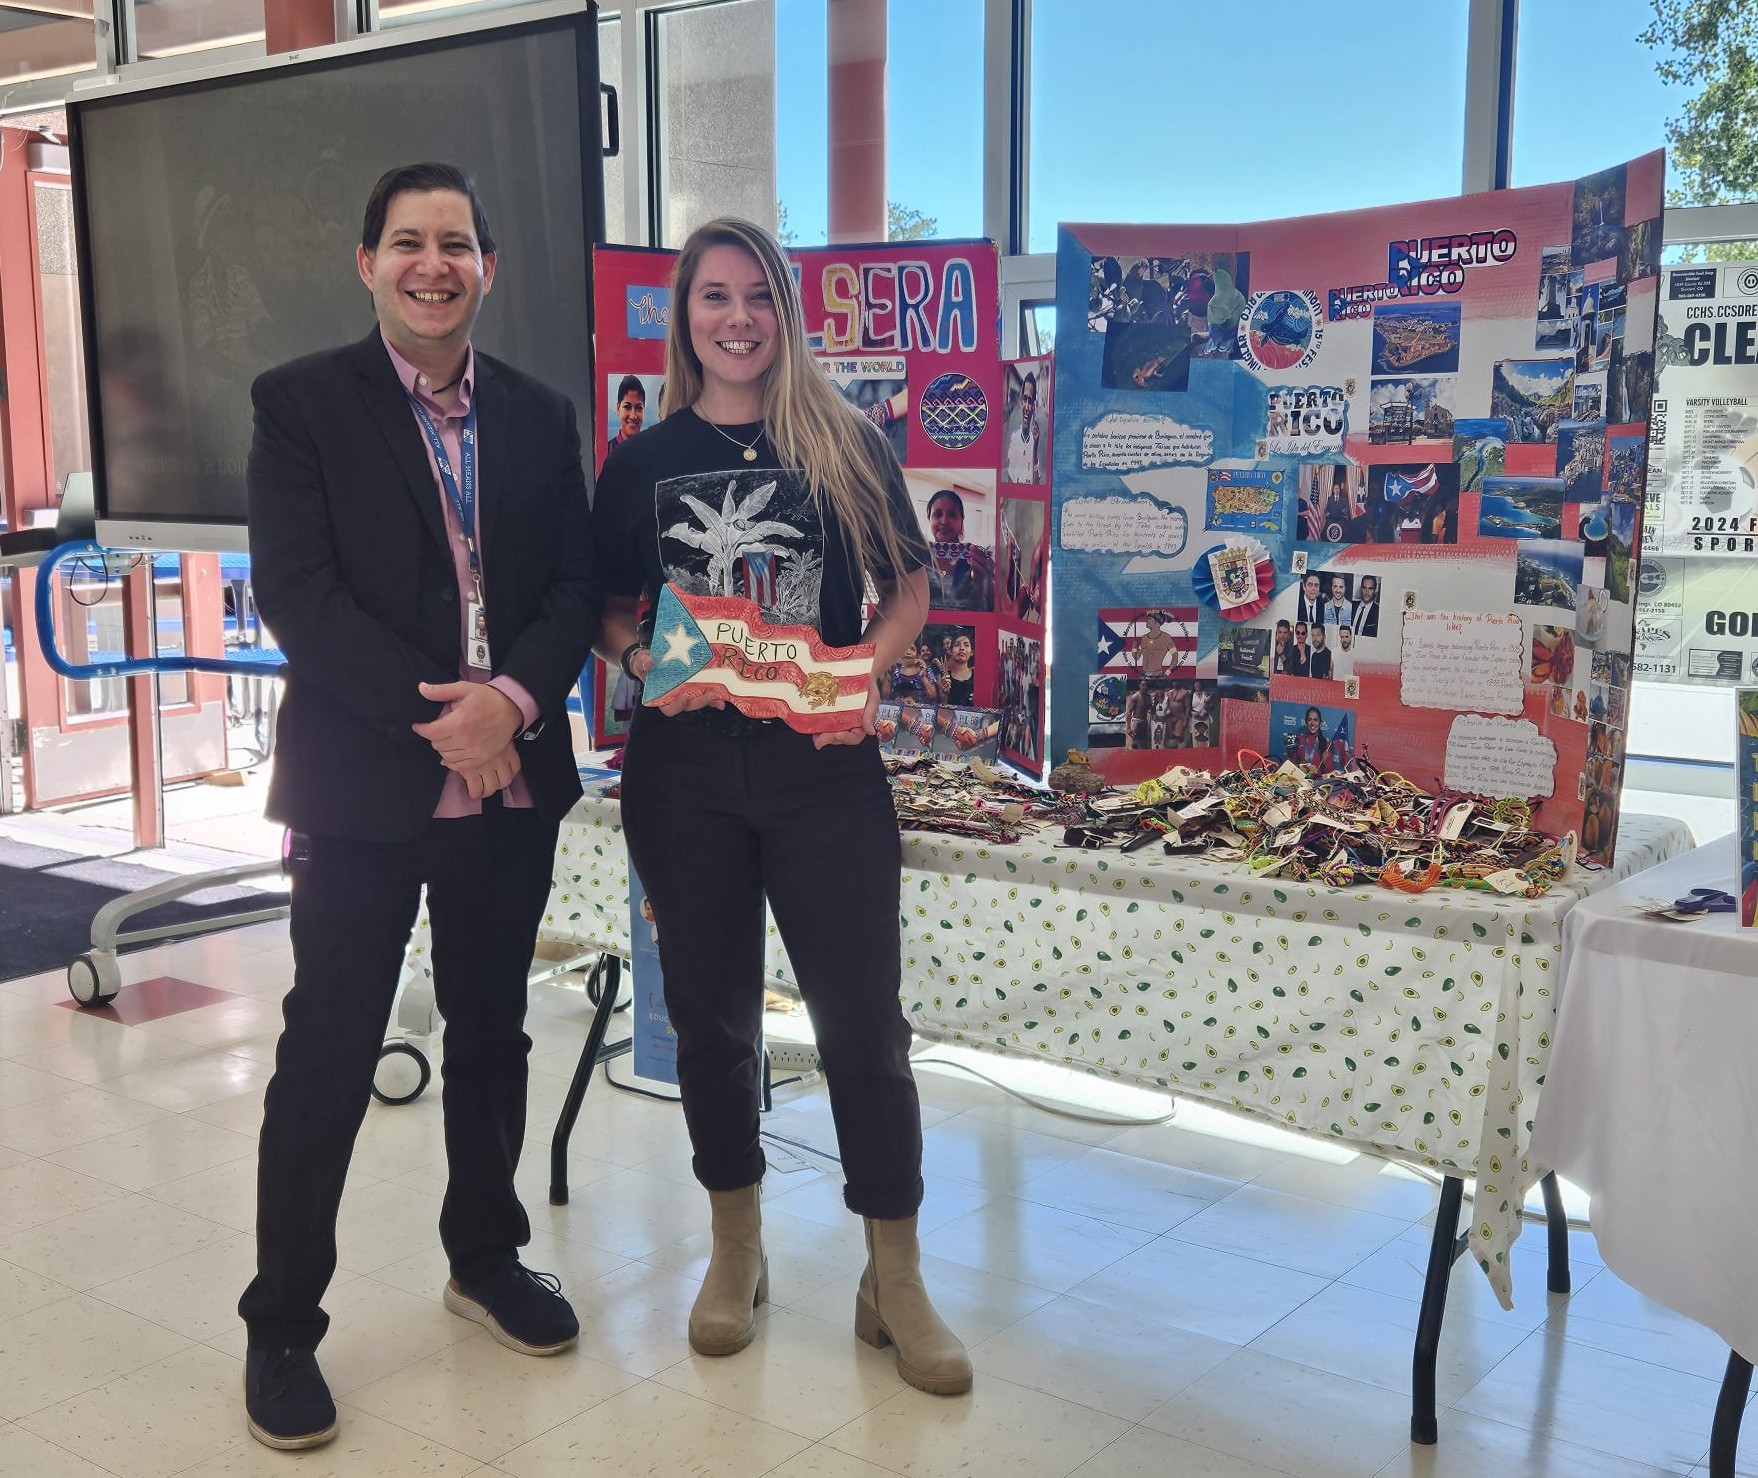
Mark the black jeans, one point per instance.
(354, 903)
(716, 821)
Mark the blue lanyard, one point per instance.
(461, 486)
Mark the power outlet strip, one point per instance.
(788, 1058)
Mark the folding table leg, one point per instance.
(1556, 1230)
(1443, 1251)
(608, 973)
(1724, 1436)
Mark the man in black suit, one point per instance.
(1367, 607)
(1308, 606)
(420, 548)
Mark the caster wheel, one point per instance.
(403, 1073)
(94, 979)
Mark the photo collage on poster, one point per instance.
(1366, 485)
(908, 333)
(1697, 595)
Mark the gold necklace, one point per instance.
(749, 450)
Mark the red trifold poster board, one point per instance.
(1355, 484)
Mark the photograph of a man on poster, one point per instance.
(1027, 394)
(1366, 620)
(1333, 503)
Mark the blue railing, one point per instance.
(247, 660)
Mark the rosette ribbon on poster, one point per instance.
(721, 644)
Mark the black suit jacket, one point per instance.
(355, 581)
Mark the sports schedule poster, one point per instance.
(1378, 471)
(1697, 602)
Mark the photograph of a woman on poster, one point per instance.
(628, 408)
(962, 577)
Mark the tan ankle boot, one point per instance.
(892, 1308)
(724, 1318)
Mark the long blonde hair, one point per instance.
(844, 456)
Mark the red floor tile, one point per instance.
(151, 999)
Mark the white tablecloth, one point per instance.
(1651, 1104)
(1417, 1027)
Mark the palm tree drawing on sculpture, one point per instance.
(731, 533)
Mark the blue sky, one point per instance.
(1173, 110)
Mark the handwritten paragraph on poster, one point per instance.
(1499, 757)
(1128, 443)
(1124, 526)
(1468, 661)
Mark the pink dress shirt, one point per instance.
(455, 798)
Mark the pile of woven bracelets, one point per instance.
(1340, 830)
(972, 800)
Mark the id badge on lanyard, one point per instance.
(461, 493)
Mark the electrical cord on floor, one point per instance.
(1434, 1178)
(799, 1144)
(1049, 1108)
(639, 1092)
(675, 1097)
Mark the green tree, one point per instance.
(904, 223)
(1710, 46)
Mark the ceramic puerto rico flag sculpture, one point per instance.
(721, 643)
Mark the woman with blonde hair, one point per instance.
(762, 482)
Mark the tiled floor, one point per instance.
(1193, 1298)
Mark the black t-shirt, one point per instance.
(679, 504)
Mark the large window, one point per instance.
(1586, 94)
(713, 79)
(934, 118)
(1144, 111)
(802, 121)
(610, 69)
(37, 42)
(170, 27)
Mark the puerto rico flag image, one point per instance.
(760, 571)
(721, 644)
(1414, 483)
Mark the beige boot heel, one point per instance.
(867, 1325)
(723, 1319)
(892, 1308)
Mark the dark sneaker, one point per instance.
(524, 1310)
(286, 1400)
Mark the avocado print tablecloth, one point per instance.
(1414, 1026)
